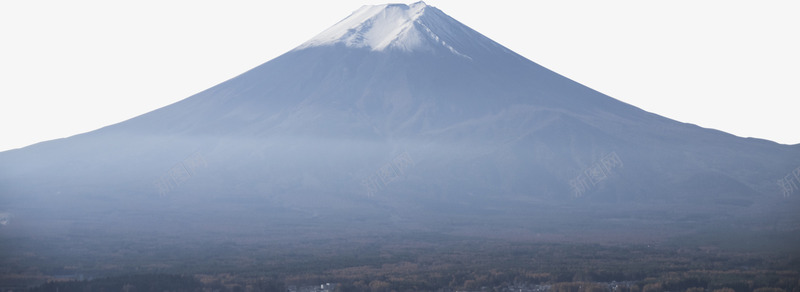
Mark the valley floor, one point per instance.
(419, 263)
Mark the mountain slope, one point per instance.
(398, 112)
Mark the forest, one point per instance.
(428, 263)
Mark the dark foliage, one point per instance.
(130, 283)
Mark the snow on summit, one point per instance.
(376, 27)
(391, 26)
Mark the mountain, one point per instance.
(399, 117)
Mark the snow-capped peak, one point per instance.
(381, 27)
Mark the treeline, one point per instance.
(128, 283)
(479, 265)
(496, 281)
(732, 282)
(159, 283)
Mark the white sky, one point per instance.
(68, 67)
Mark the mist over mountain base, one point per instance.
(454, 249)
